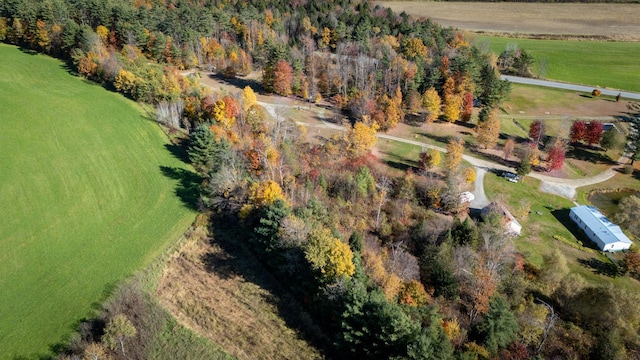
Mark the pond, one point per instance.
(607, 203)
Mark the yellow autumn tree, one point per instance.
(126, 82)
(452, 107)
(102, 32)
(453, 158)
(265, 193)
(248, 97)
(489, 130)
(469, 175)
(329, 255)
(436, 158)
(431, 102)
(534, 155)
(361, 138)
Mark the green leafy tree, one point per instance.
(328, 255)
(611, 139)
(627, 215)
(117, 331)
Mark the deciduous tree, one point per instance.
(555, 158)
(117, 331)
(578, 131)
(248, 97)
(467, 107)
(536, 131)
(282, 78)
(452, 107)
(428, 159)
(489, 131)
(594, 132)
(627, 214)
(611, 139)
(469, 175)
(361, 138)
(453, 158)
(329, 255)
(431, 102)
(508, 148)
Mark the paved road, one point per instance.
(559, 85)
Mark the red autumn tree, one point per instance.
(467, 107)
(536, 131)
(578, 131)
(555, 159)
(282, 78)
(594, 132)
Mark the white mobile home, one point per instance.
(607, 235)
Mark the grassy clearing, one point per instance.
(575, 61)
(549, 216)
(91, 192)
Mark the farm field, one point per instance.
(576, 61)
(90, 190)
(613, 21)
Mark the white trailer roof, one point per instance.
(606, 231)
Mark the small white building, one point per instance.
(607, 235)
(512, 225)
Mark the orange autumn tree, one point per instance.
(282, 78)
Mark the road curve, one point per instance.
(565, 86)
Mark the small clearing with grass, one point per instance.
(90, 193)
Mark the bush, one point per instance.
(628, 169)
(596, 92)
(576, 245)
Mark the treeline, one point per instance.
(368, 60)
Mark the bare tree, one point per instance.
(170, 113)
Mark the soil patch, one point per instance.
(576, 20)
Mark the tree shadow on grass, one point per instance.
(236, 259)
(562, 215)
(239, 82)
(178, 151)
(600, 267)
(188, 186)
(580, 152)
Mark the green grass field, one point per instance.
(90, 192)
(593, 63)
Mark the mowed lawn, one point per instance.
(594, 63)
(84, 199)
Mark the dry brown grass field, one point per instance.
(609, 21)
(224, 294)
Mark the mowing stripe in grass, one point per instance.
(84, 199)
(594, 63)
